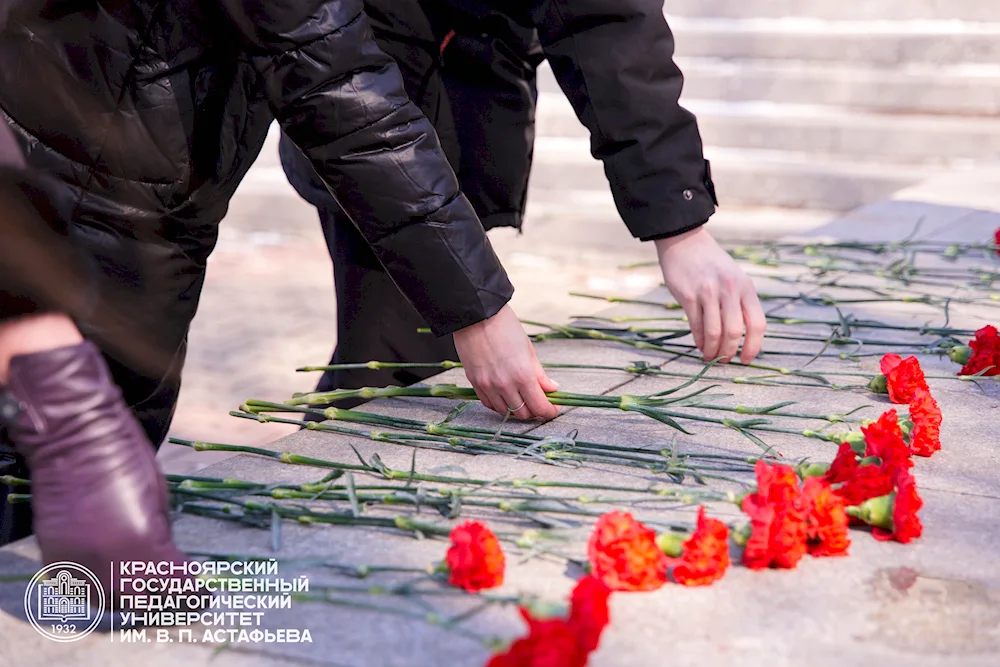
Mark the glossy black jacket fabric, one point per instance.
(613, 59)
(152, 112)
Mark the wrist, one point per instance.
(663, 245)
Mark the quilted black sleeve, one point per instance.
(614, 61)
(342, 101)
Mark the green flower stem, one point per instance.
(308, 516)
(637, 368)
(778, 336)
(507, 505)
(630, 403)
(823, 300)
(773, 410)
(554, 456)
(384, 471)
(519, 439)
(676, 469)
(336, 413)
(794, 321)
(593, 334)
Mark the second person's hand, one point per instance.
(719, 299)
(500, 362)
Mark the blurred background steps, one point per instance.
(809, 107)
(843, 10)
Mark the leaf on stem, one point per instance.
(352, 495)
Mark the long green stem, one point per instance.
(560, 452)
(384, 471)
(773, 410)
(792, 321)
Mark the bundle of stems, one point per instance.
(651, 406)
(656, 458)
(796, 321)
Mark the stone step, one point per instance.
(872, 43)
(815, 129)
(744, 177)
(929, 89)
(966, 10)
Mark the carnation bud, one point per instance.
(879, 385)
(742, 535)
(545, 610)
(806, 470)
(906, 426)
(960, 354)
(672, 544)
(877, 511)
(856, 439)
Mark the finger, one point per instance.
(732, 325)
(756, 325)
(484, 398)
(696, 324)
(484, 391)
(512, 399)
(544, 381)
(529, 390)
(712, 326)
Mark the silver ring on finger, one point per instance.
(513, 410)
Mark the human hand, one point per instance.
(719, 299)
(500, 362)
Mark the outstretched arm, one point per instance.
(614, 61)
(341, 100)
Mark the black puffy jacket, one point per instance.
(613, 59)
(145, 115)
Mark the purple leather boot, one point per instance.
(98, 495)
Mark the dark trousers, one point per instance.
(474, 78)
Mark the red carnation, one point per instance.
(706, 553)
(985, 353)
(996, 240)
(844, 465)
(884, 439)
(560, 642)
(904, 377)
(868, 481)
(624, 555)
(550, 643)
(778, 519)
(589, 611)
(826, 519)
(926, 417)
(475, 560)
(894, 516)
